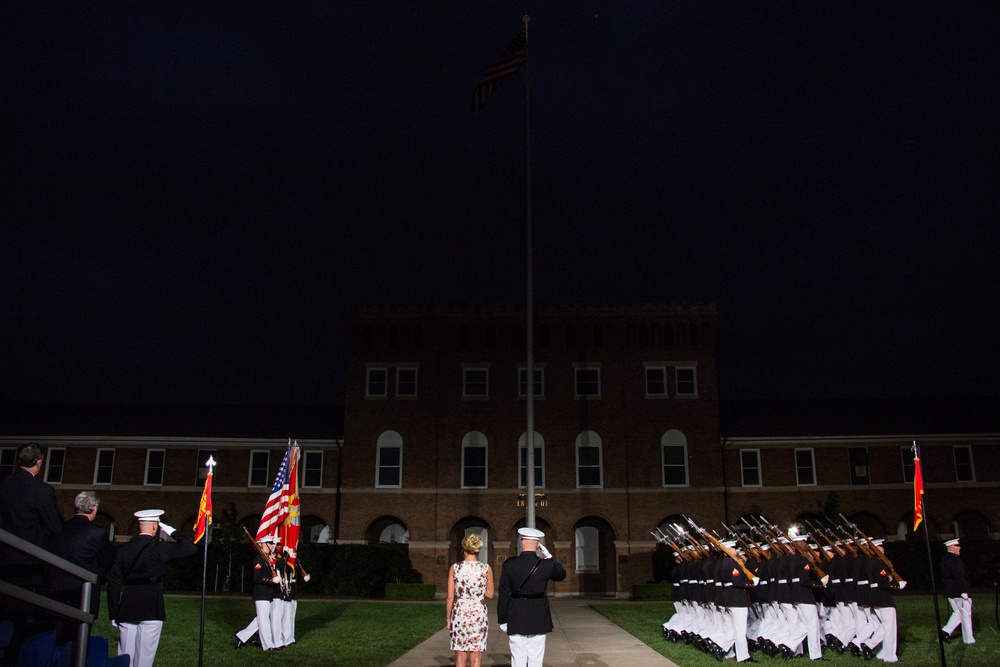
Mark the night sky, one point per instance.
(194, 193)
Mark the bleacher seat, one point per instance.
(37, 650)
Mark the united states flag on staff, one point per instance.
(508, 63)
(277, 508)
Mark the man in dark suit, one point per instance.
(522, 607)
(84, 544)
(138, 611)
(28, 510)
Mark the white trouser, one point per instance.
(887, 615)
(961, 614)
(139, 641)
(793, 631)
(527, 650)
(260, 624)
(293, 606)
(279, 621)
(739, 616)
(809, 615)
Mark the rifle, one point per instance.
(760, 548)
(260, 550)
(724, 549)
(807, 553)
(878, 552)
(845, 541)
(833, 545)
(746, 547)
(662, 538)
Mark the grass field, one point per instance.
(374, 633)
(918, 645)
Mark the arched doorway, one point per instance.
(389, 531)
(463, 527)
(971, 525)
(594, 556)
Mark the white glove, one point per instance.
(503, 626)
(275, 579)
(755, 580)
(902, 585)
(965, 596)
(114, 623)
(306, 578)
(544, 552)
(167, 528)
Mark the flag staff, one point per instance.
(529, 454)
(204, 515)
(919, 513)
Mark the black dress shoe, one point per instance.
(239, 644)
(945, 636)
(750, 659)
(854, 649)
(786, 652)
(866, 652)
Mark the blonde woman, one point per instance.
(469, 583)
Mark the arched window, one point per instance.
(389, 460)
(589, 471)
(474, 457)
(673, 445)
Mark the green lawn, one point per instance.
(917, 635)
(328, 632)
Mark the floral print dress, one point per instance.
(469, 622)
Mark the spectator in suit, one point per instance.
(28, 510)
(138, 611)
(523, 608)
(84, 544)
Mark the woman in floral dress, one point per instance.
(469, 583)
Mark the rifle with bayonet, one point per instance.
(877, 552)
(724, 549)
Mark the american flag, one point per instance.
(508, 63)
(277, 507)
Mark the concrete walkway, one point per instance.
(581, 637)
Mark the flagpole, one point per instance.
(210, 464)
(529, 454)
(930, 562)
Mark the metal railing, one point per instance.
(82, 614)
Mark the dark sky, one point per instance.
(194, 193)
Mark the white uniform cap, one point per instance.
(878, 542)
(530, 534)
(729, 543)
(148, 515)
(952, 543)
(800, 538)
(267, 539)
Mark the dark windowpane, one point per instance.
(105, 466)
(590, 456)
(590, 476)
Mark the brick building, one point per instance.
(629, 434)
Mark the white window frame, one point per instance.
(743, 468)
(522, 456)
(97, 466)
(588, 551)
(251, 467)
(576, 382)
(677, 381)
(812, 459)
(9, 453)
(673, 439)
(662, 370)
(368, 382)
(906, 460)
(972, 463)
(476, 440)
(485, 382)
(522, 385)
(388, 440)
(399, 372)
(590, 439)
(49, 478)
(163, 467)
(306, 456)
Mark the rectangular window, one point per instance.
(539, 451)
(475, 382)
(376, 383)
(155, 459)
(805, 467)
(390, 466)
(858, 457)
(312, 470)
(588, 465)
(259, 460)
(687, 381)
(964, 472)
(55, 461)
(406, 382)
(656, 381)
(587, 382)
(201, 469)
(908, 465)
(104, 466)
(473, 467)
(750, 465)
(675, 465)
(8, 458)
(522, 382)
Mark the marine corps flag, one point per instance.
(205, 507)
(918, 488)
